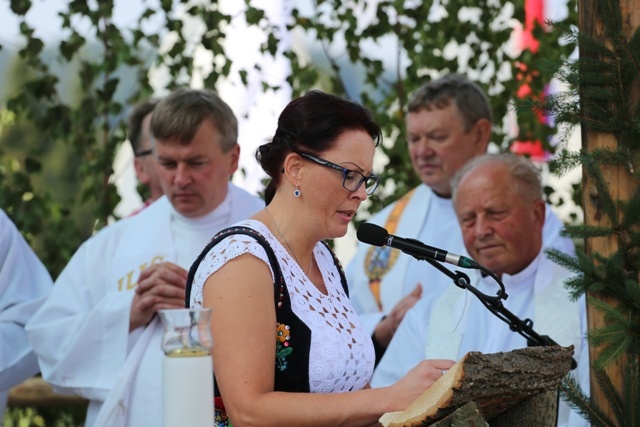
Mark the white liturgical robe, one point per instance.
(431, 220)
(24, 284)
(457, 322)
(81, 334)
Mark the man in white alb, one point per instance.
(448, 123)
(24, 284)
(98, 335)
(499, 206)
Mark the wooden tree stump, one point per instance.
(36, 392)
(495, 383)
(467, 416)
(540, 410)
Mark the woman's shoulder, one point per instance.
(228, 248)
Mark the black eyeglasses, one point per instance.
(351, 180)
(144, 153)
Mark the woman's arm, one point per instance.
(243, 327)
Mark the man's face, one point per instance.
(439, 145)
(501, 230)
(195, 177)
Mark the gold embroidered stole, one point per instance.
(380, 259)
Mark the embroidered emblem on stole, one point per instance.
(380, 259)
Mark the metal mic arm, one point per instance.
(495, 306)
(523, 327)
(461, 280)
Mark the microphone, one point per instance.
(377, 236)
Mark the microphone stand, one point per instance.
(495, 306)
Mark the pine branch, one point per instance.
(604, 85)
(632, 302)
(613, 342)
(611, 157)
(602, 197)
(614, 338)
(564, 259)
(631, 390)
(565, 162)
(613, 398)
(585, 231)
(578, 400)
(634, 239)
(631, 211)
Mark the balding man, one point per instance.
(499, 206)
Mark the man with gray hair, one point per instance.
(448, 123)
(98, 335)
(498, 204)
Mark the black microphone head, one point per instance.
(372, 234)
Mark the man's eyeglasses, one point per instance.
(351, 180)
(144, 153)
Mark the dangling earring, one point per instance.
(296, 192)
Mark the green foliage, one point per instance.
(111, 72)
(601, 99)
(624, 414)
(45, 416)
(90, 123)
(345, 59)
(403, 47)
(38, 215)
(580, 402)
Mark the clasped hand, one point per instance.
(160, 286)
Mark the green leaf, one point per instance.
(20, 7)
(253, 15)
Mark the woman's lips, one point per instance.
(347, 214)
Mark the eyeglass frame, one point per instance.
(144, 153)
(148, 152)
(345, 171)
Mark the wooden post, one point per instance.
(619, 181)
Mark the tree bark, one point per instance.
(469, 416)
(539, 411)
(494, 382)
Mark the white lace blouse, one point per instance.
(341, 357)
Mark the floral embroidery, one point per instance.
(220, 414)
(282, 346)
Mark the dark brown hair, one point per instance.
(139, 112)
(312, 124)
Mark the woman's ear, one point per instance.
(293, 168)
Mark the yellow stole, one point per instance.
(380, 259)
